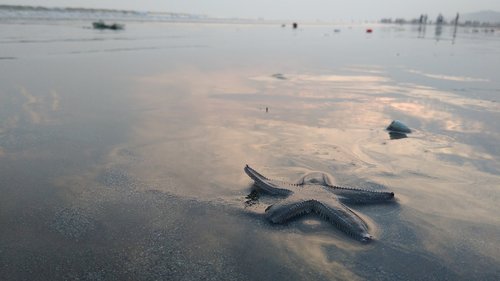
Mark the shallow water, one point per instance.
(122, 153)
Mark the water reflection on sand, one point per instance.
(139, 176)
(332, 123)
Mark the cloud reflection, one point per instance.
(312, 251)
(448, 77)
(38, 108)
(31, 107)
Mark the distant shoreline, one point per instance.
(24, 12)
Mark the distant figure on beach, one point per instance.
(422, 26)
(440, 20)
(455, 29)
(267, 109)
(422, 19)
(295, 25)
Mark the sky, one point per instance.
(285, 9)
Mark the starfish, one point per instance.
(314, 193)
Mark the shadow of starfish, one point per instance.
(314, 193)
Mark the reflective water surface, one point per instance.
(122, 153)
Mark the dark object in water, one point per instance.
(398, 127)
(369, 30)
(102, 25)
(295, 25)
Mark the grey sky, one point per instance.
(285, 9)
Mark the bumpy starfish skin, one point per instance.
(314, 193)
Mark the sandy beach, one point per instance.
(122, 152)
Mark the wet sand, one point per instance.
(122, 153)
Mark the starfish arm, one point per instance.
(344, 218)
(361, 196)
(288, 209)
(265, 184)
